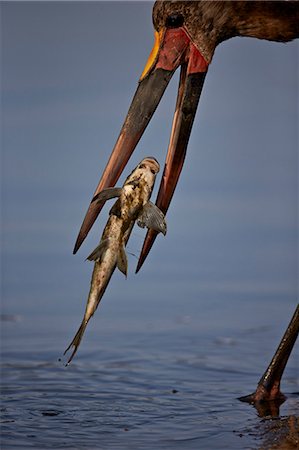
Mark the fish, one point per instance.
(132, 205)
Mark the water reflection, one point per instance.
(280, 433)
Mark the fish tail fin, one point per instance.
(76, 341)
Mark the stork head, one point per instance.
(186, 35)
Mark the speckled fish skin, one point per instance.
(132, 205)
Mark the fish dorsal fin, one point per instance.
(122, 260)
(98, 252)
(152, 217)
(107, 194)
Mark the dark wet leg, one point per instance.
(268, 388)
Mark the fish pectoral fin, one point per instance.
(107, 194)
(116, 209)
(152, 217)
(98, 252)
(122, 260)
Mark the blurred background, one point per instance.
(69, 71)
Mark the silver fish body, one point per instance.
(132, 205)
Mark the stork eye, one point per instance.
(175, 20)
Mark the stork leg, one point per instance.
(268, 388)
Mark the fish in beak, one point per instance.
(173, 48)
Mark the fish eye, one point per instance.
(153, 171)
(175, 20)
(142, 166)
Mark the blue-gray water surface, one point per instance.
(150, 373)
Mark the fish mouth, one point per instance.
(173, 48)
(152, 163)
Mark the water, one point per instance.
(146, 376)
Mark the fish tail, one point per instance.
(76, 341)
